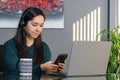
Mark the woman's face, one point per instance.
(34, 27)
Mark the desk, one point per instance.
(43, 77)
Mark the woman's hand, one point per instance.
(49, 66)
(61, 66)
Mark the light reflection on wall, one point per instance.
(87, 27)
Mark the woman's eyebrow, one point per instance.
(35, 22)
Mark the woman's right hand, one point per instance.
(49, 67)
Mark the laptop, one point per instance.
(88, 58)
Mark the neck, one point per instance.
(30, 41)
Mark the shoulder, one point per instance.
(44, 44)
(9, 46)
(47, 52)
(10, 42)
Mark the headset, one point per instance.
(23, 22)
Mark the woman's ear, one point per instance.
(24, 28)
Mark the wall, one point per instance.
(60, 40)
(113, 13)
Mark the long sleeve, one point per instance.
(47, 53)
(47, 57)
(10, 58)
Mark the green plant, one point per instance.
(112, 35)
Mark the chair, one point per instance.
(2, 63)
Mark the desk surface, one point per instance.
(3, 76)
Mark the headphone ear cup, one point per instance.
(22, 23)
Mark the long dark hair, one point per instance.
(20, 37)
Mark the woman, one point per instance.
(27, 44)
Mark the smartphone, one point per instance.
(61, 58)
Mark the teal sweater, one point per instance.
(10, 54)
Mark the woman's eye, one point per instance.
(34, 24)
(41, 25)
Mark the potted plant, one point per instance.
(112, 35)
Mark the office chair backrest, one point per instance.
(2, 64)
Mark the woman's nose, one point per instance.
(38, 28)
